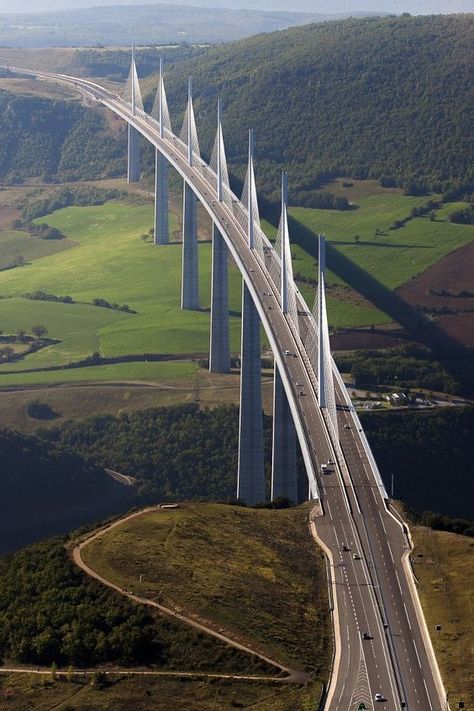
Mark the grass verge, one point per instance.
(443, 565)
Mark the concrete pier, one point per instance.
(284, 474)
(219, 351)
(190, 271)
(133, 172)
(251, 475)
(162, 229)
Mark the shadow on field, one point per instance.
(457, 359)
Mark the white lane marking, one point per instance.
(417, 655)
(390, 551)
(427, 694)
(329, 509)
(406, 613)
(398, 581)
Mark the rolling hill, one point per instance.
(361, 97)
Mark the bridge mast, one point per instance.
(284, 475)
(190, 271)
(133, 95)
(251, 474)
(219, 351)
(161, 231)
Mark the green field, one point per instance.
(393, 257)
(112, 262)
(14, 243)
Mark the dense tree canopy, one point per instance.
(51, 139)
(362, 97)
(47, 488)
(49, 612)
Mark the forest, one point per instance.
(47, 488)
(56, 141)
(51, 613)
(386, 98)
(183, 452)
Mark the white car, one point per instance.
(379, 697)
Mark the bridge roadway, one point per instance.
(373, 593)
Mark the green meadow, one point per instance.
(111, 262)
(106, 258)
(14, 243)
(363, 237)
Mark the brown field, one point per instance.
(454, 273)
(363, 338)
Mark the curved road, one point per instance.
(374, 592)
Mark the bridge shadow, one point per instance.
(361, 242)
(457, 358)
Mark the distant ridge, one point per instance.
(346, 7)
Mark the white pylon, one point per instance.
(218, 162)
(189, 131)
(160, 111)
(249, 197)
(284, 240)
(132, 94)
(326, 394)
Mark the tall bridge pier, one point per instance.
(190, 274)
(250, 473)
(219, 348)
(284, 474)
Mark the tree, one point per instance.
(39, 331)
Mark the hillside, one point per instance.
(56, 139)
(368, 97)
(47, 489)
(388, 98)
(184, 452)
(96, 627)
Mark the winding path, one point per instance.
(291, 675)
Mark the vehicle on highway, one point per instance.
(298, 384)
(288, 353)
(366, 635)
(379, 697)
(356, 556)
(301, 392)
(345, 548)
(347, 427)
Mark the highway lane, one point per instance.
(372, 593)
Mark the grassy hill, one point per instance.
(203, 557)
(110, 629)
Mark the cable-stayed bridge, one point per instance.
(382, 653)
